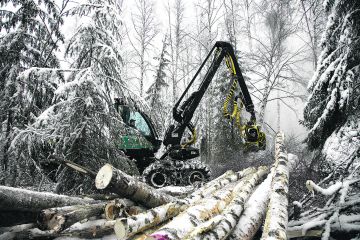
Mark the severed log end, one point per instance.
(49, 220)
(121, 228)
(104, 176)
(112, 211)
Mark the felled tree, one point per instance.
(30, 36)
(82, 123)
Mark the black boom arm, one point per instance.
(183, 114)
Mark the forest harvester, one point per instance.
(178, 165)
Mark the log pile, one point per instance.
(232, 206)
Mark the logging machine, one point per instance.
(177, 166)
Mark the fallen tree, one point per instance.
(227, 220)
(22, 199)
(276, 220)
(60, 218)
(120, 183)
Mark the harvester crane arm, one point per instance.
(183, 113)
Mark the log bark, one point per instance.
(216, 184)
(90, 229)
(227, 220)
(60, 218)
(255, 209)
(196, 214)
(127, 227)
(22, 199)
(276, 220)
(126, 186)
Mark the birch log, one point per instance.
(58, 219)
(196, 214)
(255, 209)
(218, 183)
(276, 220)
(22, 199)
(127, 227)
(231, 214)
(128, 187)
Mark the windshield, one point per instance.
(136, 120)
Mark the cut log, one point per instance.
(22, 199)
(218, 183)
(126, 186)
(33, 233)
(276, 220)
(255, 209)
(90, 229)
(17, 228)
(228, 219)
(127, 227)
(196, 214)
(58, 219)
(117, 209)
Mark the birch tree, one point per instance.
(145, 30)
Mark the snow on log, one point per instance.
(276, 220)
(127, 186)
(254, 212)
(218, 183)
(22, 199)
(201, 211)
(127, 227)
(231, 214)
(33, 233)
(58, 219)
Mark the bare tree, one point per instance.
(272, 62)
(145, 30)
(313, 17)
(176, 38)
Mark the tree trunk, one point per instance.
(229, 218)
(22, 199)
(218, 183)
(116, 209)
(254, 212)
(60, 218)
(277, 216)
(203, 210)
(128, 187)
(127, 227)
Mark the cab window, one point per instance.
(140, 123)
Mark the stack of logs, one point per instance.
(231, 206)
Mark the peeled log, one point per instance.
(58, 219)
(276, 220)
(128, 187)
(231, 214)
(255, 208)
(22, 199)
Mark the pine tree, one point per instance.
(82, 123)
(334, 99)
(31, 35)
(154, 93)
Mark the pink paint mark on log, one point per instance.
(160, 237)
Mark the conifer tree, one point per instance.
(154, 93)
(30, 36)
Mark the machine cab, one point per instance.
(139, 126)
